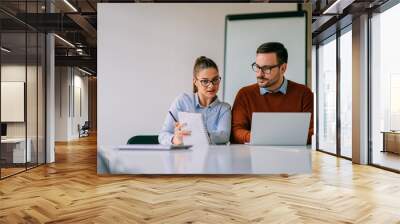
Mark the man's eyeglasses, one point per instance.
(266, 69)
(206, 82)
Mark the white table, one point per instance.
(18, 149)
(226, 159)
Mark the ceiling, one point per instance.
(76, 22)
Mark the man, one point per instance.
(272, 92)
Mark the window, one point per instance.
(327, 96)
(346, 93)
(385, 88)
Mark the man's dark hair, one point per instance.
(274, 47)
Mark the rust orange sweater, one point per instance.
(298, 98)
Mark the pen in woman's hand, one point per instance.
(173, 116)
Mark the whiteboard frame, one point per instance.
(268, 15)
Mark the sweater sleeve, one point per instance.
(240, 120)
(308, 106)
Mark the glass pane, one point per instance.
(41, 98)
(13, 86)
(314, 89)
(32, 95)
(31, 85)
(346, 94)
(22, 88)
(385, 84)
(327, 97)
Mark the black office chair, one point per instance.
(84, 130)
(143, 139)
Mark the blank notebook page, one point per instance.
(194, 123)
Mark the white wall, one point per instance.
(244, 36)
(18, 73)
(67, 83)
(33, 127)
(61, 103)
(80, 108)
(145, 59)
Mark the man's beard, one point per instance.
(268, 84)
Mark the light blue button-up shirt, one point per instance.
(282, 89)
(216, 117)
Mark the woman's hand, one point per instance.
(179, 132)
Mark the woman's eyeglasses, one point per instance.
(206, 82)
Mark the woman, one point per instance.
(216, 114)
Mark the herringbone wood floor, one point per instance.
(70, 191)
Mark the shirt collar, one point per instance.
(198, 105)
(282, 89)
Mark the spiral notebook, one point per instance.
(194, 123)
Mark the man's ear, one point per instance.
(283, 68)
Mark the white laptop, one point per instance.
(280, 128)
